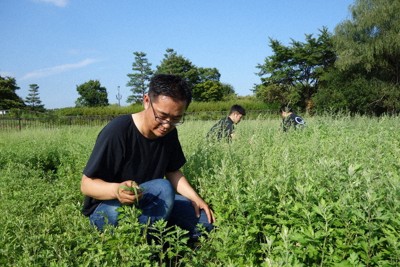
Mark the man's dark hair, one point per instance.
(285, 108)
(172, 86)
(237, 108)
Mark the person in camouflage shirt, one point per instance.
(224, 128)
(290, 119)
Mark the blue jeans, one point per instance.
(159, 201)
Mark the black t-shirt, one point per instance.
(122, 153)
(222, 129)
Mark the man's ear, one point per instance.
(146, 101)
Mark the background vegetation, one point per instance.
(325, 196)
(356, 69)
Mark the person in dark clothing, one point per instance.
(290, 119)
(133, 155)
(225, 128)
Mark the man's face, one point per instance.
(162, 114)
(237, 117)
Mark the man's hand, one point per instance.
(129, 192)
(183, 187)
(201, 205)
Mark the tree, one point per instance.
(92, 94)
(228, 90)
(208, 91)
(368, 48)
(277, 93)
(208, 86)
(208, 74)
(33, 100)
(292, 73)
(178, 65)
(370, 40)
(8, 97)
(140, 78)
(347, 91)
(204, 81)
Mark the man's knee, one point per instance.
(161, 188)
(105, 213)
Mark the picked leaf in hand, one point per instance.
(134, 189)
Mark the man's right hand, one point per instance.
(127, 194)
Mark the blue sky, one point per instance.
(59, 44)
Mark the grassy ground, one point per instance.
(325, 196)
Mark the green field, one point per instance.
(325, 196)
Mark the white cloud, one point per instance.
(59, 3)
(57, 69)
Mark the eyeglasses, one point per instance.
(165, 121)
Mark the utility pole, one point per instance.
(119, 97)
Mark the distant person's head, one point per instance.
(285, 110)
(236, 113)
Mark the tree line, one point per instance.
(355, 69)
(204, 81)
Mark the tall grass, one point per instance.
(328, 195)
